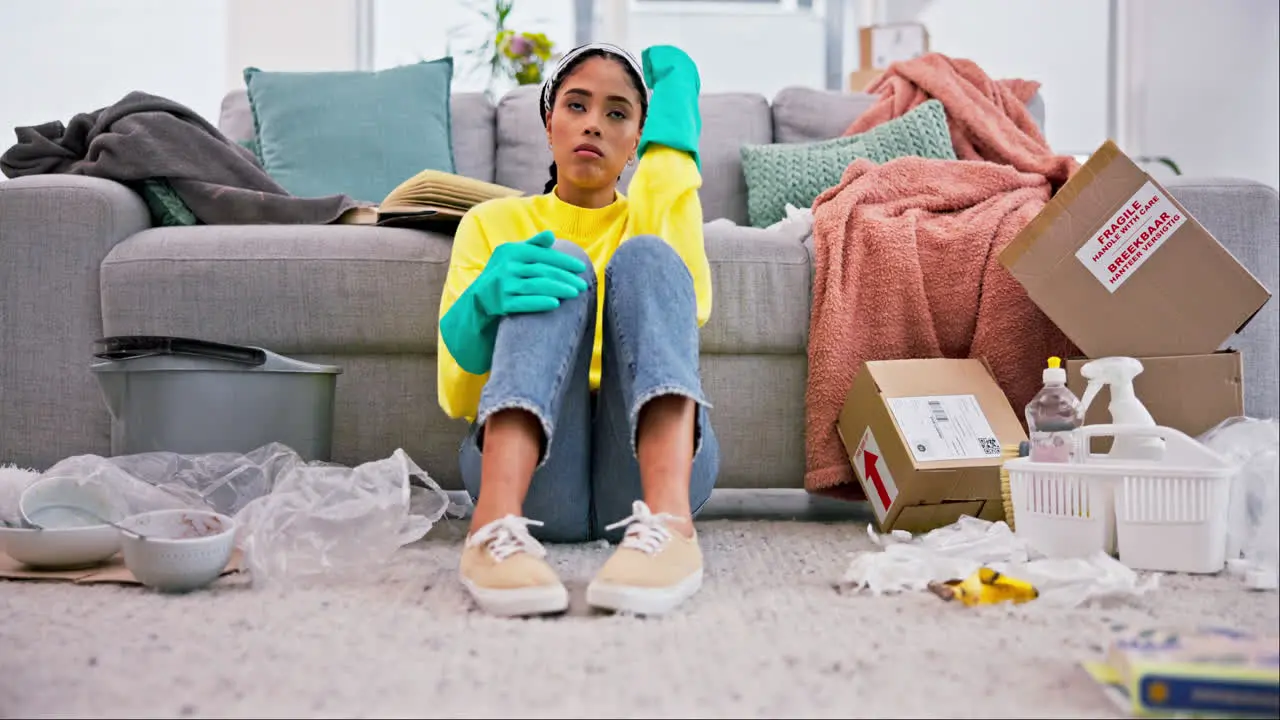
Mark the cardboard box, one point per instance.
(860, 80)
(1191, 393)
(1123, 269)
(880, 46)
(925, 438)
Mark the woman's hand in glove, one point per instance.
(529, 276)
(674, 118)
(668, 61)
(523, 277)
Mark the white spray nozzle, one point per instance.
(1125, 407)
(1113, 371)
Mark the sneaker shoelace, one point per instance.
(646, 531)
(507, 536)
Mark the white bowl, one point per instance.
(38, 500)
(61, 549)
(183, 550)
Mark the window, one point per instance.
(727, 7)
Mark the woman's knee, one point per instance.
(571, 319)
(646, 253)
(574, 250)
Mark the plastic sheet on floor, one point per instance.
(298, 521)
(1253, 525)
(906, 563)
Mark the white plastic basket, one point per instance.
(1167, 515)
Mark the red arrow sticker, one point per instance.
(869, 465)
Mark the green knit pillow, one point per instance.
(796, 173)
(166, 206)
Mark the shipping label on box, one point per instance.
(1131, 236)
(926, 439)
(1123, 269)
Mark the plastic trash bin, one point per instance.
(193, 397)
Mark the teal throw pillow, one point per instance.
(797, 173)
(358, 133)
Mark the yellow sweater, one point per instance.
(663, 201)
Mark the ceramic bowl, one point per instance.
(183, 550)
(61, 549)
(53, 502)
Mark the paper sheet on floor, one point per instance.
(903, 563)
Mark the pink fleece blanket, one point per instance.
(907, 253)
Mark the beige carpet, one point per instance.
(768, 636)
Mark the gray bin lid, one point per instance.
(150, 353)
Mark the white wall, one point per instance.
(1204, 85)
(727, 48)
(761, 52)
(1061, 44)
(1198, 80)
(289, 35)
(63, 57)
(411, 30)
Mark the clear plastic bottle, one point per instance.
(1053, 416)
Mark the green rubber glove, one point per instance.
(523, 277)
(674, 119)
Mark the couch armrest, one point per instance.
(1245, 217)
(55, 231)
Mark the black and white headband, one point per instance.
(567, 61)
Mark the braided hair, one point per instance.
(573, 59)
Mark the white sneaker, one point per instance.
(502, 566)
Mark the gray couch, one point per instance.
(78, 260)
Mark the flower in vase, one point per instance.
(526, 54)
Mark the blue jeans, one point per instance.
(588, 476)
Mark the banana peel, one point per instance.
(985, 587)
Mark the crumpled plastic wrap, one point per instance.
(13, 480)
(796, 227)
(906, 563)
(329, 522)
(298, 521)
(1253, 525)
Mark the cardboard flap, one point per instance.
(955, 484)
(923, 518)
(1061, 217)
(929, 376)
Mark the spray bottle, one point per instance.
(1053, 416)
(1126, 409)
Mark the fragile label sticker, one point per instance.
(1117, 249)
(945, 427)
(874, 474)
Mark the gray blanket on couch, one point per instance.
(144, 137)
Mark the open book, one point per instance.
(430, 200)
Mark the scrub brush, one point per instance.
(1009, 452)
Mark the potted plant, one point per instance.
(509, 57)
